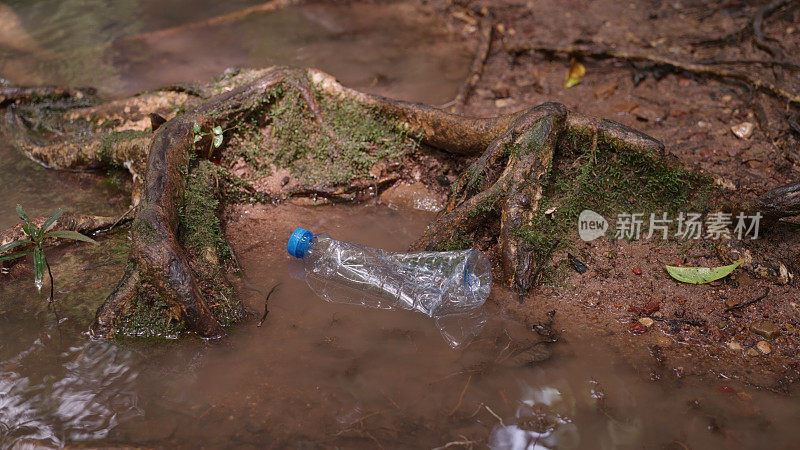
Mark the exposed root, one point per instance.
(84, 224)
(478, 63)
(697, 68)
(178, 249)
(13, 94)
(753, 25)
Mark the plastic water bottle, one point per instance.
(436, 284)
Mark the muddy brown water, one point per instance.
(315, 374)
(320, 374)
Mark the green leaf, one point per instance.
(6, 247)
(16, 255)
(39, 267)
(217, 140)
(701, 275)
(198, 138)
(217, 130)
(196, 127)
(22, 214)
(31, 230)
(51, 220)
(66, 234)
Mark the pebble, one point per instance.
(735, 346)
(764, 347)
(646, 321)
(752, 352)
(638, 328)
(744, 130)
(765, 329)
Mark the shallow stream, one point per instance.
(315, 374)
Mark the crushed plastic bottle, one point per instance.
(449, 286)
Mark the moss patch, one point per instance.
(612, 182)
(343, 146)
(201, 232)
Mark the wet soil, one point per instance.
(693, 116)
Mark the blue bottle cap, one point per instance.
(299, 242)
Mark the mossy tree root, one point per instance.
(160, 265)
(515, 154)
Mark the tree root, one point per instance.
(507, 184)
(80, 223)
(753, 25)
(476, 69)
(696, 68)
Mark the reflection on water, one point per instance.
(41, 191)
(77, 394)
(120, 47)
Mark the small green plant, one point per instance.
(36, 237)
(217, 132)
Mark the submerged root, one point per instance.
(329, 138)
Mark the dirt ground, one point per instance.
(692, 115)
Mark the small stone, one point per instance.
(731, 303)
(752, 352)
(764, 347)
(735, 346)
(646, 321)
(765, 329)
(638, 328)
(744, 130)
(651, 307)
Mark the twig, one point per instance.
(739, 34)
(461, 397)
(499, 419)
(758, 36)
(761, 62)
(463, 442)
(692, 67)
(343, 194)
(122, 217)
(266, 303)
(749, 302)
(478, 63)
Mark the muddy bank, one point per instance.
(693, 115)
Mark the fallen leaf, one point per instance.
(701, 275)
(576, 72)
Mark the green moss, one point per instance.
(611, 182)
(150, 319)
(110, 140)
(457, 241)
(200, 227)
(352, 139)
